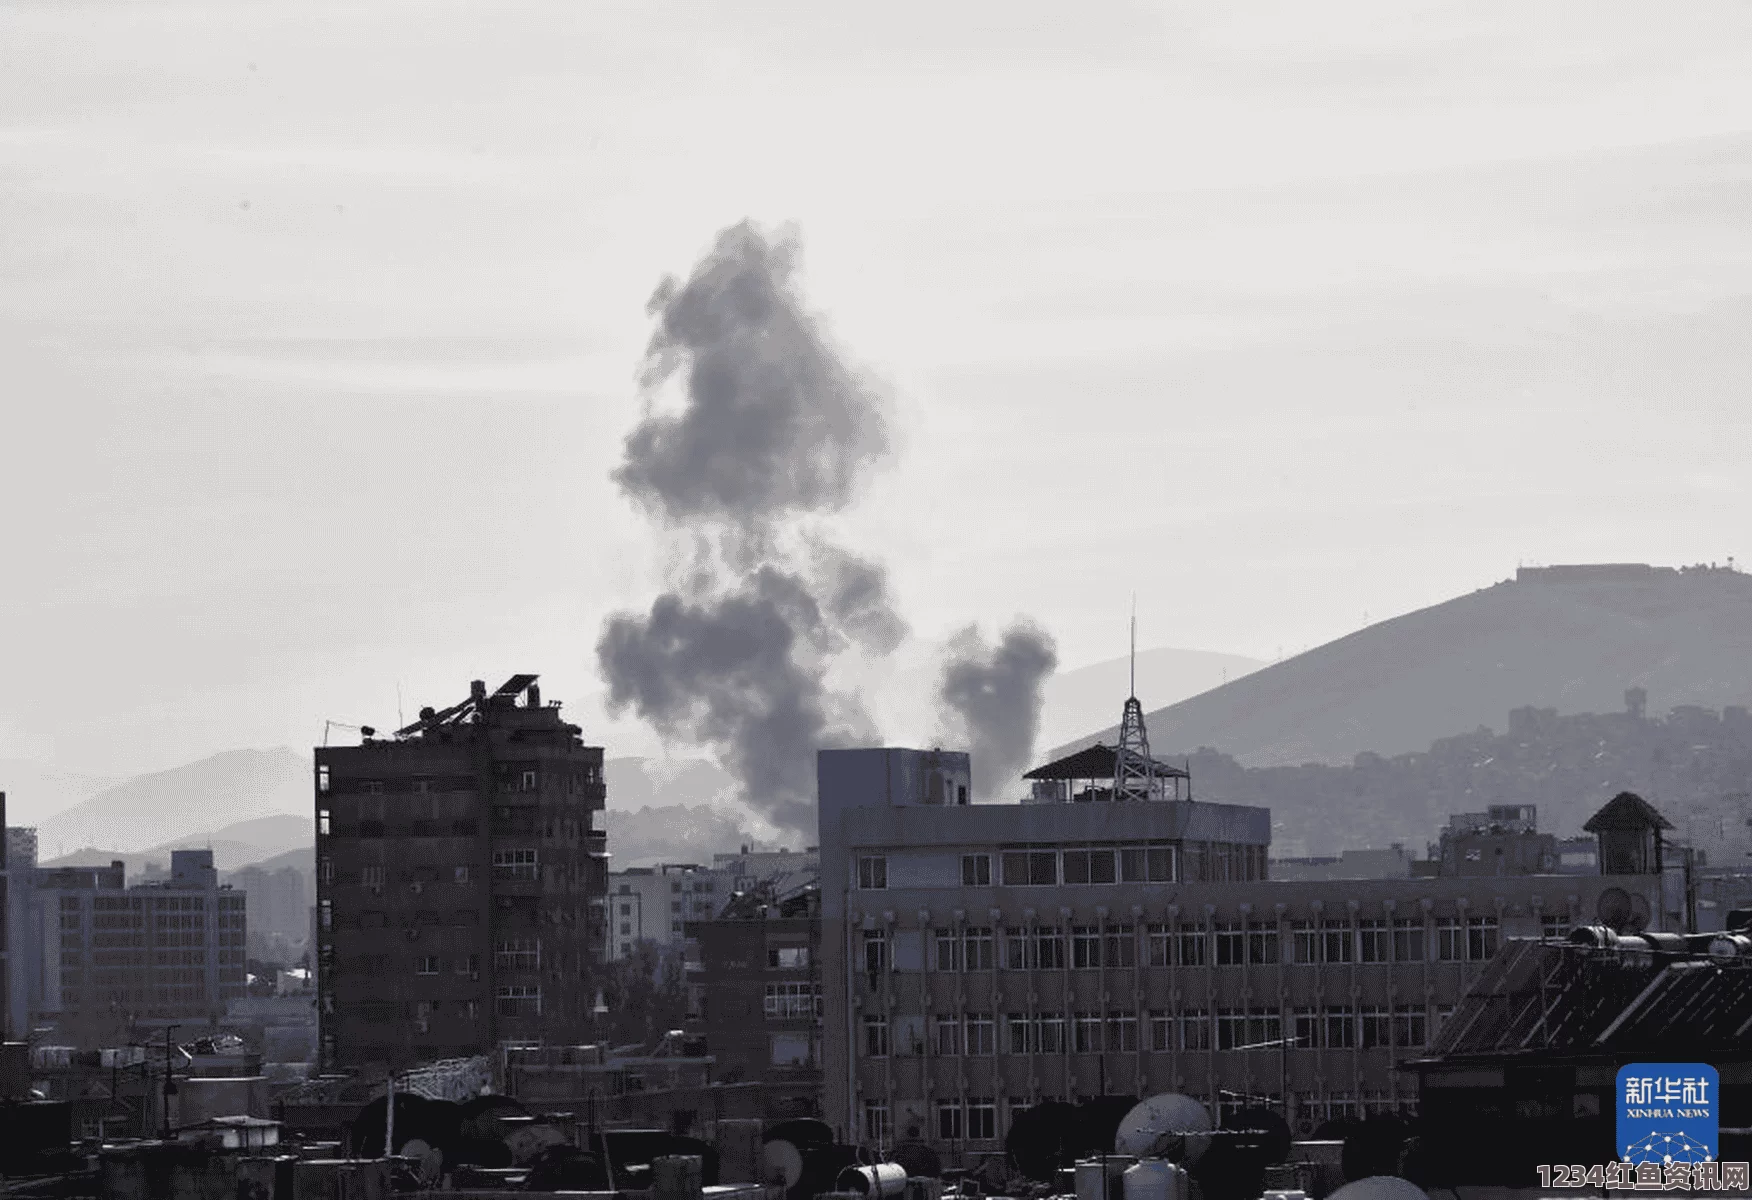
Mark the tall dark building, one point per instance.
(460, 882)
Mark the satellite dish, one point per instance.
(782, 1162)
(430, 1161)
(1613, 909)
(1170, 1126)
(1380, 1187)
(1639, 914)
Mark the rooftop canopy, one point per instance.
(1094, 762)
(1627, 810)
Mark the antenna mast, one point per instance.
(1134, 771)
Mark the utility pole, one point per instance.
(169, 1087)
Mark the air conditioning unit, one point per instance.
(418, 887)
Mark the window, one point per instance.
(1307, 941)
(948, 1031)
(876, 1128)
(1554, 927)
(875, 951)
(1262, 942)
(1341, 1028)
(426, 964)
(374, 787)
(1373, 944)
(516, 864)
(1408, 939)
(1481, 938)
(1192, 945)
(675, 906)
(976, 870)
(792, 999)
(982, 1117)
(463, 874)
(1336, 942)
(1161, 946)
(1086, 1031)
(1119, 946)
(949, 1120)
(518, 1000)
(790, 1049)
(1049, 948)
(977, 948)
(1231, 1028)
(322, 821)
(1016, 947)
(326, 911)
(1450, 940)
(1019, 1034)
(981, 1033)
(1264, 1026)
(948, 950)
(1089, 866)
(1231, 945)
(1122, 1032)
(529, 781)
(1085, 947)
(1377, 1027)
(873, 873)
(1049, 1033)
(322, 783)
(787, 958)
(1308, 1032)
(1161, 1030)
(1195, 1029)
(468, 964)
(517, 954)
(1408, 1026)
(371, 877)
(1030, 868)
(875, 1036)
(1147, 864)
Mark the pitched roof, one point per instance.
(1094, 762)
(1627, 810)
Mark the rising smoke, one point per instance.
(989, 699)
(775, 431)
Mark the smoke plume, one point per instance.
(990, 698)
(774, 429)
(774, 433)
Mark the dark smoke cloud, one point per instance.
(774, 429)
(774, 423)
(742, 671)
(990, 697)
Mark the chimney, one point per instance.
(477, 690)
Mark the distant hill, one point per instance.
(1078, 700)
(233, 846)
(35, 791)
(185, 803)
(1569, 638)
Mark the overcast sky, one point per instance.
(320, 324)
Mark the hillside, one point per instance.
(233, 846)
(1569, 638)
(184, 804)
(1695, 765)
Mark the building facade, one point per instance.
(460, 883)
(652, 904)
(977, 960)
(279, 901)
(167, 952)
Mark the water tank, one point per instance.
(1155, 1179)
(1103, 1178)
(881, 1180)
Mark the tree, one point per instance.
(645, 995)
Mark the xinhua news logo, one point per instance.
(1669, 1113)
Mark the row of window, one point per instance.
(1042, 867)
(1335, 1027)
(792, 999)
(1098, 947)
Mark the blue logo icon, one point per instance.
(1669, 1113)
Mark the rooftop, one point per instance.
(1095, 762)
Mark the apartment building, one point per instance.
(979, 959)
(652, 904)
(460, 883)
(168, 951)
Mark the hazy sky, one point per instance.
(319, 324)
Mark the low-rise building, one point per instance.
(652, 904)
(977, 960)
(170, 951)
